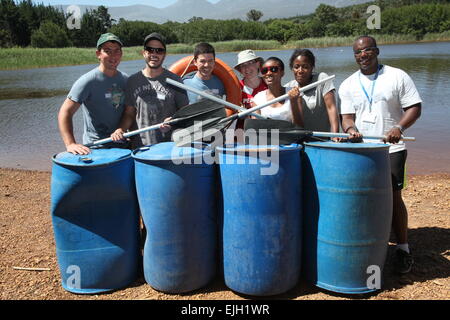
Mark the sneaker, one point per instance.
(403, 261)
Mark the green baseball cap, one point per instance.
(108, 37)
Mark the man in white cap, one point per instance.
(101, 93)
(149, 99)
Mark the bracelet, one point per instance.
(399, 127)
(354, 128)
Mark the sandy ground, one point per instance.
(27, 241)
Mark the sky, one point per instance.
(112, 3)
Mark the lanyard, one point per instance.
(370, 98)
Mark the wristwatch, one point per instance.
(399, 127)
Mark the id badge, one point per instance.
(161, 96)
(370, 118)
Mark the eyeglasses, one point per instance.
(155, 50)
(365, 50)
(273, 69)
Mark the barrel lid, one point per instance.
(258, 148)
(95, 158)
(346, 145)
(166, 151)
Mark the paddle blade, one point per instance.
(199, 131)
(274, 132)
(198, 111)
(257, 124)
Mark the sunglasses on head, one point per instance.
(273, 69)
(155, 50)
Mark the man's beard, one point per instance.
(154, 66)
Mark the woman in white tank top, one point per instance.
(273, 71)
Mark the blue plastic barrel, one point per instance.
(176, 193)
(95, 220)
(347, 215)
(261, 240)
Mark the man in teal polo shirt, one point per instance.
(101, 94)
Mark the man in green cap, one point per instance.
(101, 94)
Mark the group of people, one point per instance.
(375, 100)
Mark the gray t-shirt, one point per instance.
(154, 100)
(315, 115)
(102, 101)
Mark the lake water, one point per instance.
(30, 100)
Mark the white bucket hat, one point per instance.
(245, 56)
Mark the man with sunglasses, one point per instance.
(101, 94)
(149, 99)
(383, 100)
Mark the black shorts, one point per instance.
(398, 169)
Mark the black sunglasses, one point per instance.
(273, 69)
(155, 50)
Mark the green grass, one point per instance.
(239, 45)
(348, 41)
(26, 58)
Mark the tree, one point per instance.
(254, 15)
(50, 35)
(194, 19)
(282, 30)
(132, 33)
(253, 30)
(326, 14)
(103, 17)
(93, 24)
(315, 28)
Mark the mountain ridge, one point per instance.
(183, 10)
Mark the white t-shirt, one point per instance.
(315, 114)
(283, 112)
(393, 91)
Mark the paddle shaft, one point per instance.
(268, 103)
(135, 132)
(245, 112)
(283, 97)
(346, 135)
(210, 97)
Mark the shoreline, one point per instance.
(133, 53)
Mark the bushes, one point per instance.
(49, 35)
(416, 19)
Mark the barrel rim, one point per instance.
(347, 145)
(89, 165)
(255, 148)
(199, 154)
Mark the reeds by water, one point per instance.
(25, 58)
